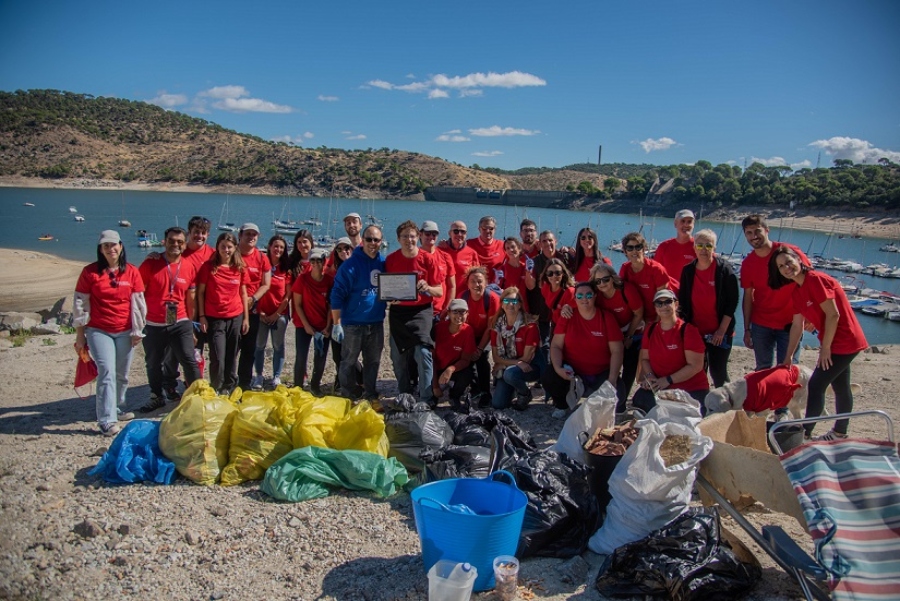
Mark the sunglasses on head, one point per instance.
(633, 247)
(663, 302)
(372, 240)
(554, 273)
(510, 301)
(457, 230)
(605, 279)
(704, 245)
(584, 295)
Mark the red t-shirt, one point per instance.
(567, 298)
(423, 265)
(279, 287)
(477, 317)
(444, 265)
(110, 296)
(256, 265)
(535, 251)
(622, 305)
(462, 259)
(313, 300)
(771, 388)
(703, 300)
(450, 348)
(166, 283)
(526, 336)
(666, 354)
(771, 308)
(515, 276)
(648, 280)
(490, 255)
(583, 273)
(199, 256)
(808, 299)
(674, 256)
(586, 346)
(222, 298)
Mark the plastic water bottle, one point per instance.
(461, 573)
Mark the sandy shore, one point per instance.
(32, 281)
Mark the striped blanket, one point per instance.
(849, 491)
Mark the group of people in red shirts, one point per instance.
(561, 317)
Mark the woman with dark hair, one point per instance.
(514, 344)
(483, 305)
(623, 300)
(671, 356)
(343, 248)
(513, 269)
(586, 347)
(647, 275)
(819, 299)
(274, 312)
(298, 261)
(109, 314)
(708, 298)
(587, 254)
(224, 310)
(557, 289)
(312, 318)
(454, 346)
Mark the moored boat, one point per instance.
(45, 237)
(79, 218)
(72, 209)
(27, 204)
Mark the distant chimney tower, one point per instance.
(600, 155)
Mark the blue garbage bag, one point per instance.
(134, 456)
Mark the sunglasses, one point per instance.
(458, 231)
(112, 279)
(317, 260)
(372, 240)
(584, 295)
(633, 247)
(429, 233)
(605, 279)
(342, 249)
(487, 228)
(587, 237)
(459, 311)
(554, 274)
(663, 302)
(702, 246)
(510, 301)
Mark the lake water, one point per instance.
(156, 211)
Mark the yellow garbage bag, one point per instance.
(316, 419)
(260, 436)
(360, 430)
(195, 436)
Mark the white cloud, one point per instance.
(452, 136)
(659, 144)
(226, 92)
(470, 93)
(806, 164)
(378, 83)
(298, 140)
(237, 99)
(467, 85)
(496, 130)
(357, 137)
(324, 98)
(168, 101)
(492, 153)
(770, 162)
(309, 135)
(859, 151)
(346, 132)
(438, 94)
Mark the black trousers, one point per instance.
(717, 363)
(556, 387)
(177, 339)
(838, 377)
(248, 353)
(224, 339)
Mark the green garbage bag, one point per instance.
(308, 472)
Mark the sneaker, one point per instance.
(109, 429)
(316, 390)
(256, 383)
(559, 414)
(276, 381)
(830, 436)
(172, 395)
(125, 416)
(782, 416)
(522, 400)
(156, 402)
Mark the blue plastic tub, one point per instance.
(447, 531)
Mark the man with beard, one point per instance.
(259, 276)
(489, 249)
(353, 227)
(411, 320)
(528, 234)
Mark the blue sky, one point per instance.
(502, 84)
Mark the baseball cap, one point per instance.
(250, 226)
(344, 240)
(317, 253)
(353, 216)
(458, 304)
(430, 226)
(665, 293)
(110, 236)
(684, 213)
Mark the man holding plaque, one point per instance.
(411, 317)
(358, 313)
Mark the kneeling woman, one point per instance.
(454, 347)
(671, 356)
(587, 345)
(514, 343)
(819, 299)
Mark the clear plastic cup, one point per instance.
(506, 576)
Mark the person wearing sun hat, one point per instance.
(454, 345)
(259, 278)
(428, 238)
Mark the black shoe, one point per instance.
(172, 395)
(156, 402)
(316, 390)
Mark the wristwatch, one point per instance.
(669, 380)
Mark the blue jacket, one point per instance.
(355, 290)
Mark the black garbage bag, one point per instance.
(455, 461)
(403, 402)
(562, 512)
(411, 433)
(687, 560)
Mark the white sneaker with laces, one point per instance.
(829, 436)
(276, 381)
(256, 383)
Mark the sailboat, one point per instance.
(224, 224)
(123, 222)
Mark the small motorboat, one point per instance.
(124, 223)
(45, 237)
(79, 218)
(73, 209)
(27, 204)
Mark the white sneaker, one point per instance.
(276, 381)
(830, 436)
(256, 383)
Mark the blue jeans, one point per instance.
(424, 363)
(277, 331)
(514, 381)
(112, 353)
(367, 340)
(766, 341)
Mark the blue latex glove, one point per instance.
(337, 333)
